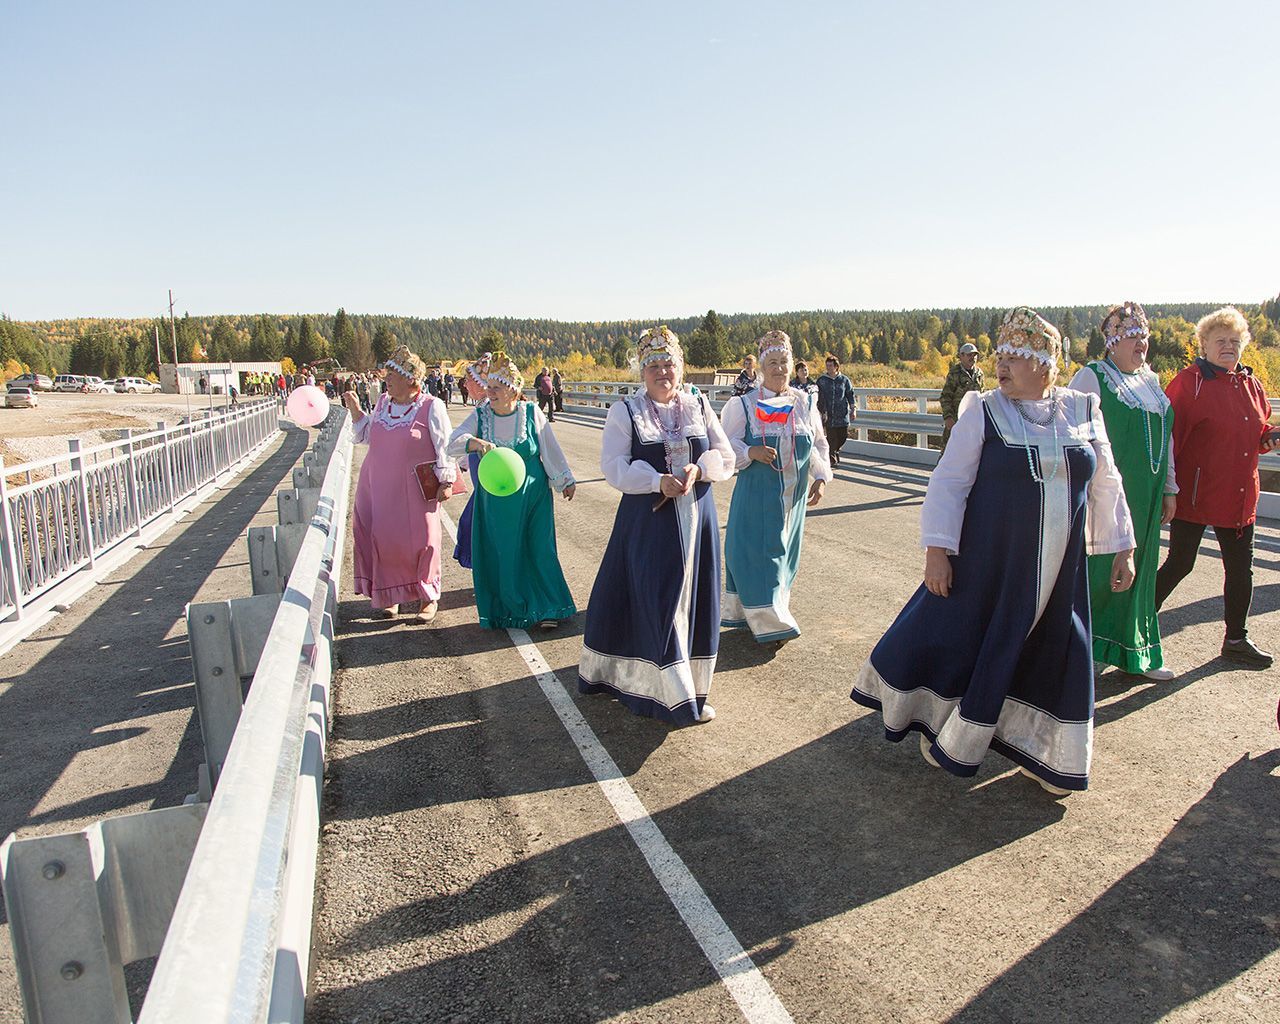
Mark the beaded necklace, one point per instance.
(1036, 475)
(672, 437)
(1154, 459)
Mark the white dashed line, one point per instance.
(748, 987)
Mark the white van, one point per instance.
(68, 382)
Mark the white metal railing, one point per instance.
(238, 944)
(59, 514)
(920, 422)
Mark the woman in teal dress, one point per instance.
(1139, 419)
(515, 567)
(783, 466)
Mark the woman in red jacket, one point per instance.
(1220, 415)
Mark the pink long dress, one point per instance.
(397, 531)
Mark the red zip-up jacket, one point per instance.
(1219, 422)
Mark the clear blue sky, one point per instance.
(602, 160)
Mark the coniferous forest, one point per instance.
(916, 343)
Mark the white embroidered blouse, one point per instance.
(1109, 527)
(805, 418)
(508, 431)
(694, 417)
(1144, 392)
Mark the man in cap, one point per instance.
(964, 376)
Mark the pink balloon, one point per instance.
(307, 406)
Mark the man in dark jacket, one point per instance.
(835, 406)
(964, 376)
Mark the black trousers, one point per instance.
(1237, 564)
(836, 437)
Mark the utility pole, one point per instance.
(173, 333)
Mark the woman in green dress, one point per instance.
(515, 567)
(1139, 422)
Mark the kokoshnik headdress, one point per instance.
(1128, 320)
(394, 364)
(774, 341)
(1024, 332)
(660, 345)
(504, 371)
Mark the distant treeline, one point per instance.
(113, 347)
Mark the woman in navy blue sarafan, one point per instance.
(653, 622)
(994, 649)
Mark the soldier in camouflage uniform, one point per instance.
(964, 376)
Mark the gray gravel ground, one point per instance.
(96, 707)
(472, 871)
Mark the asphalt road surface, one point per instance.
(473, 869)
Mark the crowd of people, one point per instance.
(1040, 525)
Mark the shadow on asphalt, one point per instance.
(81, 690)
(1266, 598)
(865, 817)
(1197, 913)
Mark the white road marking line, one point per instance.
(748, 987)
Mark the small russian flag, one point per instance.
(774, 410)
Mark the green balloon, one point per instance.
(501, 472)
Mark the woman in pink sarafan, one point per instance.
(397, 529)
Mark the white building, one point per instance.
(218, 376)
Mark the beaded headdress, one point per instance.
(405, 363)
(1128, 320)
(1024, 332)
(774, 341)
(660, 345)
(504, 371)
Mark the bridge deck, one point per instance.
(472, 870)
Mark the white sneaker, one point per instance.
(708, 713)
(1162, 675)
(925, 744)
(1046, 786)
(390, 612)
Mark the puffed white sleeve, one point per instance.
(1109, 525)
(438, 427)
(1087, 381)
(718, 462)
(820, 459)
(620, 471)
(462, 436)
(550, 453)
(945, 499)
(733, 421)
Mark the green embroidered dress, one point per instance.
(1139, 423)
(515, 567)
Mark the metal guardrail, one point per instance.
(58, 515)
(238, 946)
(922, 423)
(220, 889)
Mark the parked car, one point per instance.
(21, 396)
(136, 385)
(34, 381)
(68, 382)
(96, 386)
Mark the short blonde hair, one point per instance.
(1227, 316)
